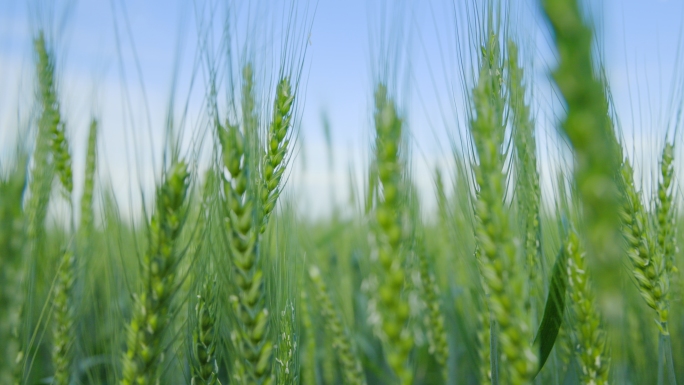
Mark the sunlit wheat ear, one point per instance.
(589, 337)
(342, 342)
(142, 362)
(501, 274)
(277, 143)
(251, 337)
(391, 253)
(648, 265)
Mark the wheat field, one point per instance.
(542, 262)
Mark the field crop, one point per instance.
(516, 278)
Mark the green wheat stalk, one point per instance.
(529, 191)
(352, 370)
(501, 275)
(597, 153)
(648, 265)
(389, 216)
(277, 142)
(590, 339)
(145, 351)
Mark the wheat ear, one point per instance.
(648, 265)
(277, 143)
(589, 337)
(251, 337)
(342, 343)
(501, 274)
(144, 353)
(391, 253)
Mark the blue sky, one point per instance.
(640, 37)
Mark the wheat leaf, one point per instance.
(553, 310)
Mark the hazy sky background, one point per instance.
(98, 76)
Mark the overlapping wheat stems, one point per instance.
(528, 189)
(666, 210)
(589, 338)
(352, 370)
(144, 346)
(277, 142)
(391, 251)
(501, 274)
(648, 265)
(597, 153)
(204, 340)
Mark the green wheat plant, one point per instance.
(352, 369)
(144, 342)
(649, 267)
(501, 275)
(391, 251)
(597, 154)
(589, 336)
(533, 241)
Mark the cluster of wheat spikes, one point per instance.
(223, 282)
